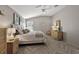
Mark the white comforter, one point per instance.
(31, 37)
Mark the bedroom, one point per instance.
(35, 22)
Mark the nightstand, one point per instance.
(12, 45)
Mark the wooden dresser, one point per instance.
(12, 45)
(3, 40)
(57, 35)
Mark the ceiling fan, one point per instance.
(45, 7)
(39, 6)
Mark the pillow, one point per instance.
(19, 29)
(38, 35)
(17, 33)
(25, 31)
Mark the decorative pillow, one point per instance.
(19, 29)
(17, 33)
(25, 31)
(38, 35)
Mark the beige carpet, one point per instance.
(51, 46)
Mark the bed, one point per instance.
(32, 37)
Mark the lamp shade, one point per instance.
(55, 27)
(10, 32)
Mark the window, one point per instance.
(30, 25)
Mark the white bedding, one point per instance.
(31, 37)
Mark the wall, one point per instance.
(41, 23)
(7, 18)
(70, 22)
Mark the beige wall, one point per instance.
(70, 22)
(41, 23)
(7, 18)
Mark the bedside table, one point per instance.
(12, 45)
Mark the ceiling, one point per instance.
(29, 11)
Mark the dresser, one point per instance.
(57, 35)
(3, 43)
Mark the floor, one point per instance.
(51, 46)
